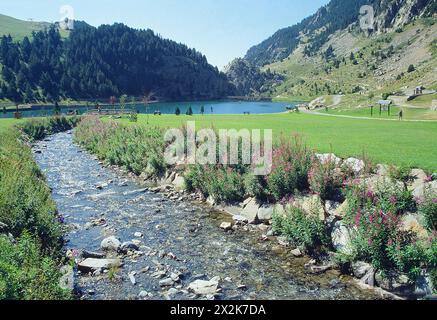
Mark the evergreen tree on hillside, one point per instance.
(109, 60)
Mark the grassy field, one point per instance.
(390, 142)
(18, 29)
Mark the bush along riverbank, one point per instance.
(30, 230)
(377, 223)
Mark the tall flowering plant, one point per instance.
(326, 179)
(291, 164)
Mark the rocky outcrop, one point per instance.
(250, 80)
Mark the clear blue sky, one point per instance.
(220, 29)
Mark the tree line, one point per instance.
(110, 60)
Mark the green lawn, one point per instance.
(409, 113)
(6, 124)
(19, 29)
(390, 142)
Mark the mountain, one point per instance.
(336, 15)
(111, 60)
(250, 80)
(329, 53)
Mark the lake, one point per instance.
(210, 107)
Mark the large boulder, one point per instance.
(360, 268)
(419, 191)
(328, 157)
(413, 223)
(250, 211)
(311, 205)
(398, 284)
(179, 183)
(419, 177)
(382, 170)
(341, 237)
(91, 264)
(111, 244)
(341, 211)
(265, 213)
(356, 165)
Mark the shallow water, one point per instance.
(187, 230)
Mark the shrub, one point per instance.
(25, 198)
(378, 238)
(411, 68)
(224, 184)
(303, 230)
(37, 129)
(326, 179)
(28, 266)
(386, 196)
(139, 149)
(428, 208)
(26, 274)
(256, 186)
(291, 164)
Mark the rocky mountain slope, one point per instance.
(315, 30)
(249, 80)
(329, 53)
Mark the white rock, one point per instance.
(179, 183)
(296, 252)
(355, 165)
(168, 282)
(413, 223)
(138, 235)
(265, 213)
(226, 226)
(419, 192)
(250, 211)
(203, 287)
(341, 238)
(325, 157)
(132, 278)
(91, 264)
(110, 244)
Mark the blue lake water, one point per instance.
(210, 107)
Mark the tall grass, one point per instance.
(28, 268)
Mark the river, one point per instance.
(180, 237)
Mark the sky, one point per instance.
(220, 29)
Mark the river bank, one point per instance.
(173, 242)
(374, 222)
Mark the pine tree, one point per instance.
(189, 111)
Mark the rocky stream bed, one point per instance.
(166, 246)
